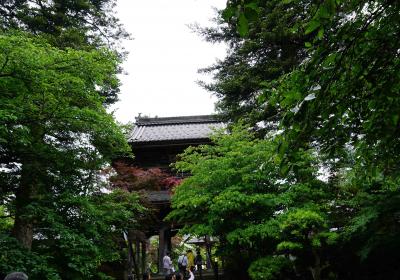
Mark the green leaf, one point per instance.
(253, 6)
(251, 14)
(243, 25)
(330, 59)
(320, 33)
(228, 13)
(284, 169)
(323, 12)
(312, 26)
(395, 119)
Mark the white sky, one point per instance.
(164, 58)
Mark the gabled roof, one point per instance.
(170, 129)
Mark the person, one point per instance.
(198, 260)
(191, 275)
(182, 263)
(16, 276)
(167, 264)
(190, 257)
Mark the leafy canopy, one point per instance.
(238, 192)
(324, 75)
(55, 137)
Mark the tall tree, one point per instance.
(55, 137)
(270, 222)
(83, 25)
(346, 99)
(341, 100)
(53, 119)
(77, 24)
(265, 41)
(59, 65)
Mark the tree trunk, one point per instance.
(23, 224)
(317, 268)
(208, 252)
(23, 229)
(133, 259)
(32, 170)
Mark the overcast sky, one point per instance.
(164, 58)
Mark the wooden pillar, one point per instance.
(164, 246)
(168, 245)
(134, 266)
(137, 256)
(208, 251)
(130, 265)
(161, 249)
(144, 256)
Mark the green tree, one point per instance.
(75, 235)
(51, 104)
(55, 137)
(83, 25)
(76, 24)
(341, 100)
(266, 40)
(238, 192)
(345, 98)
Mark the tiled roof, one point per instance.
(174, 128)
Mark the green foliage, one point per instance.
(82, 25)
(324, 76)
(285, 246)
(265, 41)
(6, 221)
(16, 258)
(77, 234)
(65, 23)
(56, 137)
(274, 213)
(54, 93)
(346, 94)
(269, 268)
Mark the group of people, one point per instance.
(186, 266)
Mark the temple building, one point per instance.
(155, 143)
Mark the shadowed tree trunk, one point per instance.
(318, 267)
(32, 169)
(24, 221)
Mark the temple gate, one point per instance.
(155, 143)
